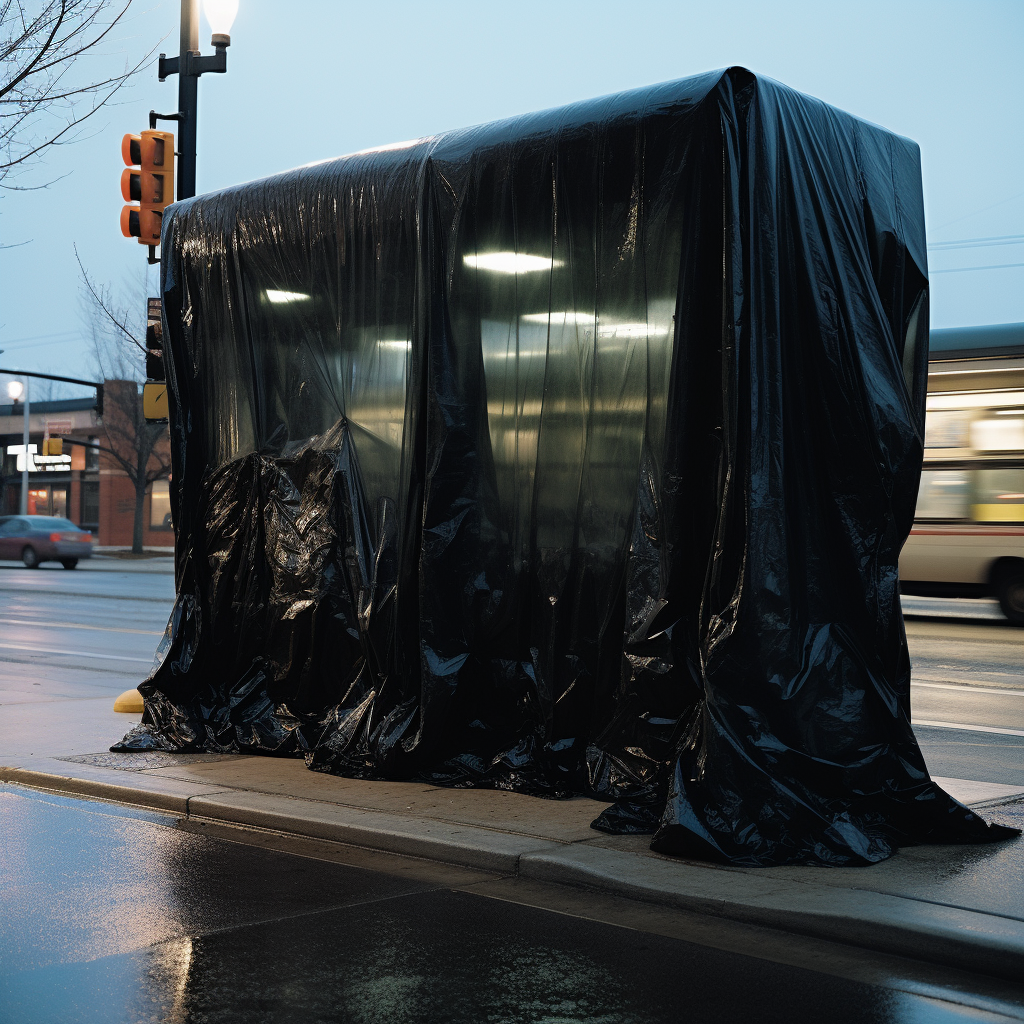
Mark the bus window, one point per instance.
(999, 495)
(999, 434)
(944, 494)
(946, 428)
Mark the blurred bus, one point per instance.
(968, 535)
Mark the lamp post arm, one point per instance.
(98, 385)
(53, 376)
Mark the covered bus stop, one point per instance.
(568, 454)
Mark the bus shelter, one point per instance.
(571, 454)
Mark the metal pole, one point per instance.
(188, 99)
(24, 471)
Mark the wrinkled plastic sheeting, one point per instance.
(569, 454)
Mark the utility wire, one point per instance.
(958, 270)
(975, 243)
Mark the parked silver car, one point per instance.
(37, 539)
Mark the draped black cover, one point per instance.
(568, 454)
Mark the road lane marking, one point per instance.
(79, 654)
(969, 728)
(81, 625)
(26, 593)
(969, 688)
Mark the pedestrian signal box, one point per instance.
(154, 401)
(147, 180)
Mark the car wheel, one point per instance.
(1011, 596)
(69, 563)
(30, 557)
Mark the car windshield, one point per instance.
(51, 523)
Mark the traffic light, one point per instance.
(53, 446)
(148, 180)
(154, 341)
(154, 391)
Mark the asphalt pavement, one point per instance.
(71, 641)
(86, 634)
(111, 914)
(92, 633)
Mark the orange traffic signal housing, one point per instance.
(147, 180)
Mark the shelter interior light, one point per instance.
(605, 329)
(221, 16)
(509, 262)
(15, 389)
(273, 295)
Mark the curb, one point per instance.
(894, 925)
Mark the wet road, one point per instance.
(92, 633)
(968, 689)
(75, 635)
(112, 915)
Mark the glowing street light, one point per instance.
(221, 16)
(188, 66)
(15, 389)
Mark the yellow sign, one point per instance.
(154, 401)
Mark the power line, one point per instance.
(958, 270)
(972, 243)
(39, 337)
(42, 344)
(984, 209)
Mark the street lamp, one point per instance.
(15, 390)
(221, 16)
(188, 66)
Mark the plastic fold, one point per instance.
(571, 454)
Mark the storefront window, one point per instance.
(90, 504)
(160, 506)
(48, 501)
(38, 502)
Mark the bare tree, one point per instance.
(49, 82)
(118, 342)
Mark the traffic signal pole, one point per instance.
(188, 101)
(151, 184)
(188, 66)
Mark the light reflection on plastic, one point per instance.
(390, 146)
(273, 295)
(509, 262)
(606, 329)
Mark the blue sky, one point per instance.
(314, 79)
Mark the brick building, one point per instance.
(85, 486)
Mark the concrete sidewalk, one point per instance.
(960, 907)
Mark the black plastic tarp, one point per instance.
(568, 454)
